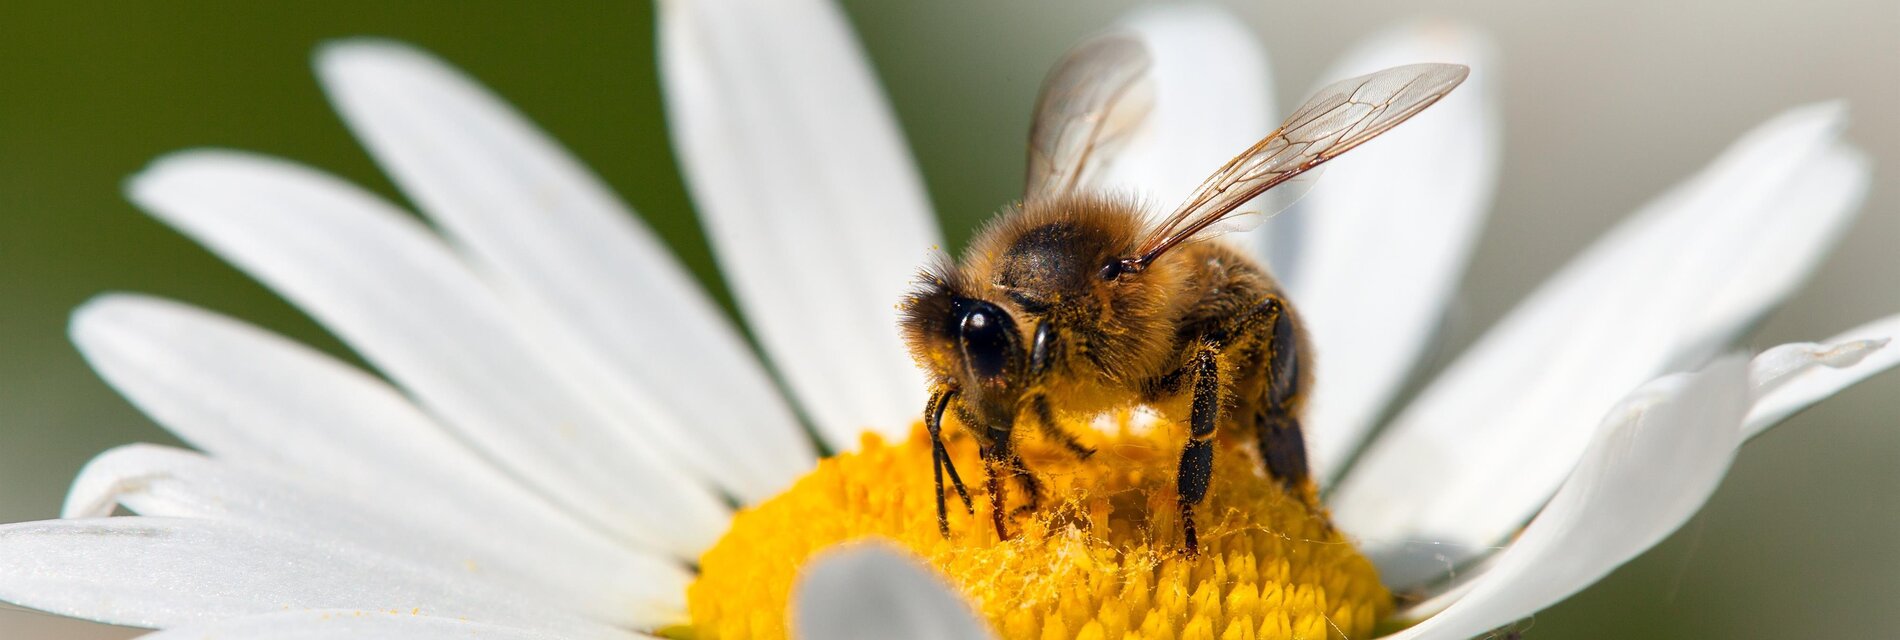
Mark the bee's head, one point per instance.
(974, 344)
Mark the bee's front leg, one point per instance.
(940, 457)
(999, 458)
(1011, 462)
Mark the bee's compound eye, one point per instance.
(988, 341)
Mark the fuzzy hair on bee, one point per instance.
(1075, 301)
(1045, 258)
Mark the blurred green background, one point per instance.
(1606, 103)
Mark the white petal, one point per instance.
(619, 589)
(874, 591)
(595, 277)
(393, 292)
(1379, 245)
(359, 624)
(808, 195)
(1777, 366)
(1849, 358)
(1645, 473)
(1213, 99)
(1488, 442)
(163, 572)
(248, 396)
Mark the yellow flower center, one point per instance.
(1100, 558)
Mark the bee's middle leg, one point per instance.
(1038, 403)
(1046, 423)
(1032, 488)
(1197, 457)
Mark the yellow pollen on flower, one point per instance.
(1100, 558)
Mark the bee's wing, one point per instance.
(1095, 98)
(1341, 116)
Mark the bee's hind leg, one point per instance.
(1272, 325)
(1282, 443)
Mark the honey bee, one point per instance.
(1072, 303)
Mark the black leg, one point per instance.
(1046, 422)
(1041, 353)
(1277, 423)
(943, 515)
(1282, 443)
(1032, 488)
(1283, 446)
(940, 457)
(956, 480)
(992, 459)
(1197, 458)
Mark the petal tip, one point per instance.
(343, 53)
(371, 64)
(143, 185)
(96, 490)
(172, 169)
(1823, 119)
(1849, 354)
(1202, 15)
(97, 314)
(1440, 39)
(1448, 32)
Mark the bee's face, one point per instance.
(973, 342)
(1031, 288)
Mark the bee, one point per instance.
(1072, 303)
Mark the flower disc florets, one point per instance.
(1098, 558)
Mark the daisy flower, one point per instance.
(564, 436)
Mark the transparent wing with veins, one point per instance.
(1096, 97)
(1341, 116)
